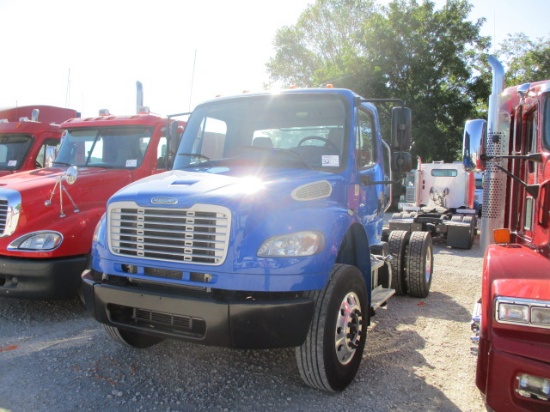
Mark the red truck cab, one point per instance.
(30, 136)
(511, 321)
(49, 215)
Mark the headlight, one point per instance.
(305, 243)
(37, 241)
(535, 313)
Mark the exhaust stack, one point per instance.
(497, 144)
(139, 96)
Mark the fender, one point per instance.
(514, 271)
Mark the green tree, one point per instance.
(525, 60)
(407, 50)
(316, 49)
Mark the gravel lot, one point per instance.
(53, 356)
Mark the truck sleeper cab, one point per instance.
(30, 136)
(266, 234)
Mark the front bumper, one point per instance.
(503, 382)
(41, 278)
(199, 317)
(504, 375)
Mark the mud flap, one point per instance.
(458, 235)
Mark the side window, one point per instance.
(210, 141)
(47, 153)
(162, 149)
(3, 153)
(365, 148)
(546, 124)
(530, 137)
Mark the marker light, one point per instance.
(501, 235)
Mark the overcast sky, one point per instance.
(88, 54)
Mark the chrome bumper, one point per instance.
(475, 326)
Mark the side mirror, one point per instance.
(401, 162)
(71, 175)
(175, 137)
(474, 145)
(401, 125)
(175, 131)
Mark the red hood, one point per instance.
(42, 208)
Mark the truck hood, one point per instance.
(92, 185)
(32, 179)
(39, 178)
(184, 188)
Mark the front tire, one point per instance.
(133, 339)
(331, 354)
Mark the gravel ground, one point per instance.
(53, 356)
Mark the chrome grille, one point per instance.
(3, 214)
(10, 207)
(410, 195)
(195, 235)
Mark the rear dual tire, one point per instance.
(419, 264)
(411, 263)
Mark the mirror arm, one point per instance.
(533, 157)
(367, 182)
(533, 190)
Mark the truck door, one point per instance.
(369, 163)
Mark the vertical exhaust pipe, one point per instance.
(497, 144)
(139, 96)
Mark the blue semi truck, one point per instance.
(267, 233)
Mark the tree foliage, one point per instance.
(406, 50)
(316, 49)
(526, 60)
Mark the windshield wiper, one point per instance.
(104, 165)
(197, 156)
(61, 163)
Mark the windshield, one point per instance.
(119, 147)
(298, 130)
(13, 150)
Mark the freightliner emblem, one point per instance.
(164, 200)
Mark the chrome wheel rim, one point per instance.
(349, 327)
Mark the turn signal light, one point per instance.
(501, 235)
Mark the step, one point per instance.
(380, 296)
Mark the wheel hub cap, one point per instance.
(349, 326)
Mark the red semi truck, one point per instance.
(511, 321)
(48, 216)
(30, 136)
